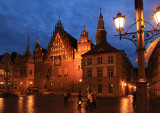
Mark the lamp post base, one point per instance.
(141, 97)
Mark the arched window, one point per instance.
(99, 88)
(110, 88)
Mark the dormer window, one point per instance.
(100, 49)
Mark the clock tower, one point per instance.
(101, 32)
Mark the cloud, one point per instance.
(38, 18)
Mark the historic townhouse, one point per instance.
(106, 69)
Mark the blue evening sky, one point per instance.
(18, 18)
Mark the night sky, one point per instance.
(20, 18)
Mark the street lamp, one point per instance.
(157, 15)
(119, 22)
(140, 42)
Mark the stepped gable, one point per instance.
(64, 35)
(102, 48)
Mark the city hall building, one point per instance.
(69, 64)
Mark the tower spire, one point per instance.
(27, 53)
(100, 12)
(101, 32)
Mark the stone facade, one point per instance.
(107, 70)
(61, 67)
(154, 73)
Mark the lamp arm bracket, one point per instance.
(131, 26)
(149, 24)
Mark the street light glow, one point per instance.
(80, 80)
(157, 15)
(119, 22)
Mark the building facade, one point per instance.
(107, 70)
(61, 67)
(154, 73)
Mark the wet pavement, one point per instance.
(55, 104)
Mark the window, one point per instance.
(110, 88)
(89, 73)
(99, 88)
(110, 72)
(99, 60)
(30, 72)
(79, 67)
(110, 59)
(99, 72)
(89, 61)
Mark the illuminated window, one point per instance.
(110, 59)
(89, 73)
(99, 60)
(89, 61)
(110, 72)
(99, 72)
(110, 88)
(99, 88)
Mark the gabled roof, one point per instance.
(102, 48)
(72, 40)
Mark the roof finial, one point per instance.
(58, 17)
(28, 39)
(100, 12)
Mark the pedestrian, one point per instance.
(65, 97)
(79, 96)
(89, 101)
(94, 99)
(134, 98)
(79, 102)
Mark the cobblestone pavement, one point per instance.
(55, 104)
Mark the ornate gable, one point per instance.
(61, 44)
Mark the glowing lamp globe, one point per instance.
(119, 22)
(156, 15)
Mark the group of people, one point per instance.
(91, 100)
(90, 103)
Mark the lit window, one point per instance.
(110, 72)
(89, 61)
(99, 72)
(99, 60)
(99, 88)
(110, 59)
(110, 88)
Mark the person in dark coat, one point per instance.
(79, 96)
(94, 100)
(134, 98)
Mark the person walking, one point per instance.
(134, 98)
(65, 97)
(94, 100)
(79, 102)
(89, 101)
(79, 96)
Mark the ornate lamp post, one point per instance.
(140, 42)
